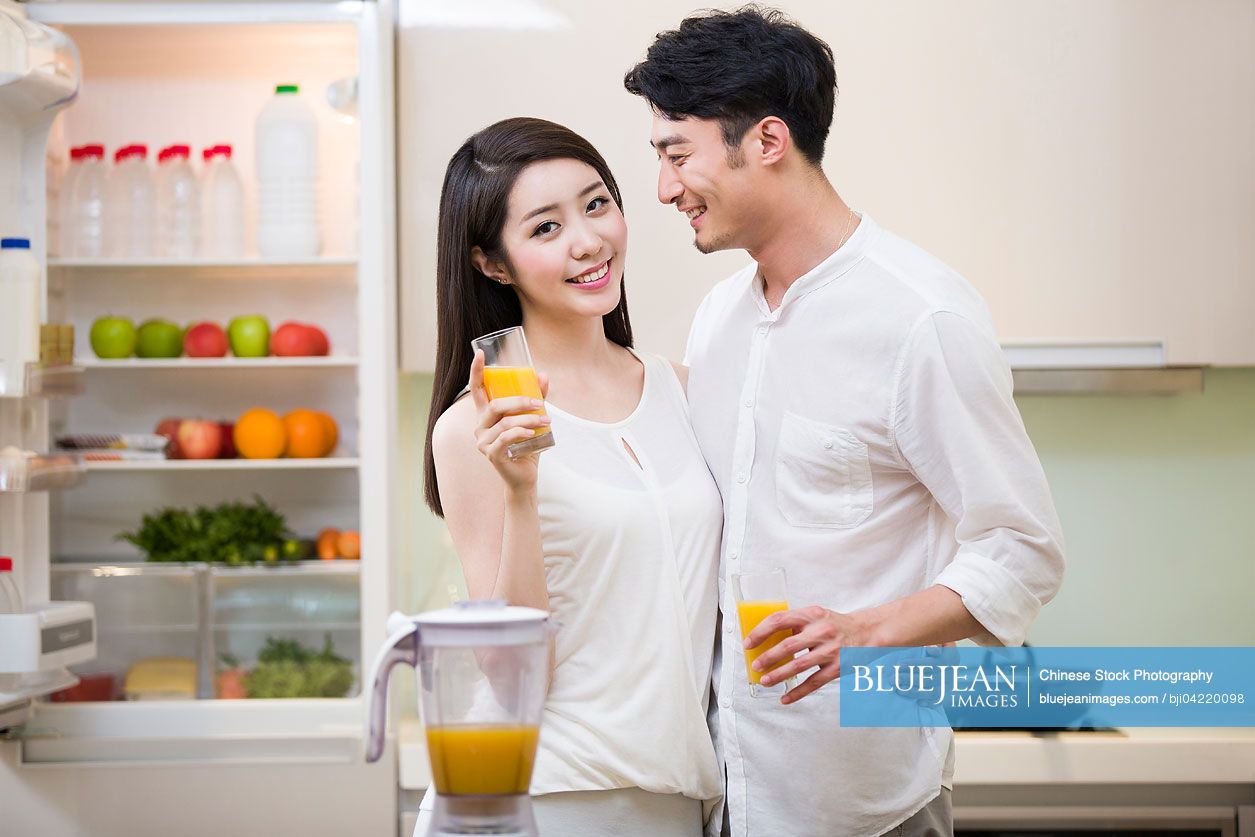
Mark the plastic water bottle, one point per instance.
(65, 208)
(10, 602)
(223, 206)
(54, 179)
(87, 203)
(287, 177)
(131, 204)
(19, 313)
(178, 204)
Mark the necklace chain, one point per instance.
(846, 232)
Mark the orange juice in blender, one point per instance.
(482, 759)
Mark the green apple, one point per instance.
(159, 338)
(249, 336)
(113, 337)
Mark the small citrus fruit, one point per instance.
(350, 545)
(307, 434)
(331, 430)
(259, 434)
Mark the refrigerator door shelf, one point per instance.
(47, 637)
(50, 381)
(39, 67)
(15, 705)
(23, 471)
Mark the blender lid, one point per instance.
(482, 622)
(481, 612)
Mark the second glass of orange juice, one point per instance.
(758, 595)
(508, 372)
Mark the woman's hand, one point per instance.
(498, 428)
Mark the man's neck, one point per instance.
(809, 228)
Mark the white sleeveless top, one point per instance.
(631, 563)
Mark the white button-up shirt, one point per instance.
(863, 437)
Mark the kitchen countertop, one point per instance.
(1160, 755)
(1129, 756)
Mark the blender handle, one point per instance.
(401, 647)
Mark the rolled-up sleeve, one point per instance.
(957, 428)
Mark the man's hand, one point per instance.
(820, 632)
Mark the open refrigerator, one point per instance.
(199, 73)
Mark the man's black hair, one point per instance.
(739, 67)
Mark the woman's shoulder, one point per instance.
(455, 427)
(666, 366)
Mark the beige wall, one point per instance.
(1085, 163)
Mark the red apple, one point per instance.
(227, 449)
(299, 340)
(199, 439)
(205, 340)
(322, 345)
(169, 427)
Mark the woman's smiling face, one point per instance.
(564, 241)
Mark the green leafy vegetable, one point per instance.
(235, 533)
(287, 669)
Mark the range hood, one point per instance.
(1084, 368)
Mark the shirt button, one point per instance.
(733, 554)
(740, 477)
(827, 444)
(762, 329)
(726, 703)
(749, 402)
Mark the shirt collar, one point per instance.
(845, 257)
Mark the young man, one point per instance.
(851, 400)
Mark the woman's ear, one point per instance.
(491, 268)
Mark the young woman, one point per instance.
(615, 529)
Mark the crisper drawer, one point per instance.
(286, 632)
(185, 631)
(144, 612)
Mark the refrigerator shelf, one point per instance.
(102, 569)
(182, 363)
(113, 630)
(325, 463)
(219, 732)
(285, 627)
(22, 472)
(198, 270)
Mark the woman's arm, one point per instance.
(490, 500)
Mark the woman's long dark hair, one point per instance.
(473, 204)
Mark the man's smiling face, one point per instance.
(705, 179)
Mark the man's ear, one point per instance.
(492, 268)
(773, 138)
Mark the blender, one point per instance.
(483, 673)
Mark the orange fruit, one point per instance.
(307, 434)
(331, 429)
(326, 544)
(259, 434)
(350, 545)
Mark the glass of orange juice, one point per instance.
(508, 372)
(757, 596)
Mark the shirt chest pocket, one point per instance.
(823, 475)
